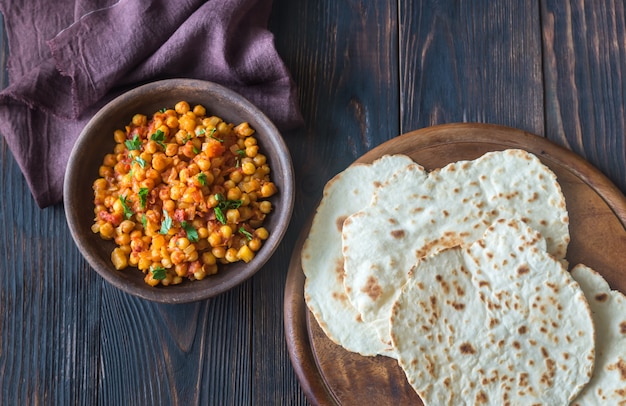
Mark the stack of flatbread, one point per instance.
(460, 275)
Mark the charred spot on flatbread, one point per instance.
(536, 365)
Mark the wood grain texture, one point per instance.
(470, 62)
(343, 57)
(366, 71)
(49, 302)
(584, 46)
(597, 212)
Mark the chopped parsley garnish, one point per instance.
(144, 220)
(140, 161)
(134, 144)
(163, 110)
(200, 131)
(223, 205)
(166, 224)
(128, 212)
(212, 136)
(159, 137)
(219, 215)
(192, 234)
(246, 233)
(240, 154)
(202, 178)
(158, 272)
(196, 150)
(143, 195)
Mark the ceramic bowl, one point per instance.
(96, 140)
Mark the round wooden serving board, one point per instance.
(597, 210)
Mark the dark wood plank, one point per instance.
(471, 62)
(196, 353)
(584, 46)
(330, 373)
(343, 57)
(49, 302)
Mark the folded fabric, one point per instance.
(70, 57)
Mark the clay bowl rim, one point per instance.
(96, 138)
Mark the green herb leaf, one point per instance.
(163, 110)
(200, 131)
(159, 137)
(140, 161)
(158, 272)
(192, 234)
(134, 144)
(202, 178)
(246, 233)
(196, 151)
(144, 220)
(212, 136)
(219, 215)
(166, 224)
(128, 212)
(241, 153)
(143, 196)
(233, 204)
(224, 205)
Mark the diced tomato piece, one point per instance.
(214, 149)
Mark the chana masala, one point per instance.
(181, 194)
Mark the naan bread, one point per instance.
(322, 259)
(499, 322)
(416, 214)
(608, 383)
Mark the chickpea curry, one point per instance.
(181, 194)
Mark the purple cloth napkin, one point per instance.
(67, 58)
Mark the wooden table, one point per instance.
(367, 71)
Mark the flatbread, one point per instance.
(608, 383)
(416, 214)
(499, 322)
(322, 259)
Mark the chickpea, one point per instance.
(268, 189)
(255, 244)
(181, 107)
(157, 201)
(265, 207)
(160, 162)
(214, 239)
(187, 123)
(171, 122)
(139, 120)
(119, 259)
(204, 164)
(218, 252)
(259, 159)
(231, 255)
(105, 171)
(226, 232)
(252, 151)
(199, 110)
(151, 147)
(245, 254)
(248, 168)
(171, 149)
(234, 193)
(119, 136)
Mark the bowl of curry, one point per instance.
(178, 190)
